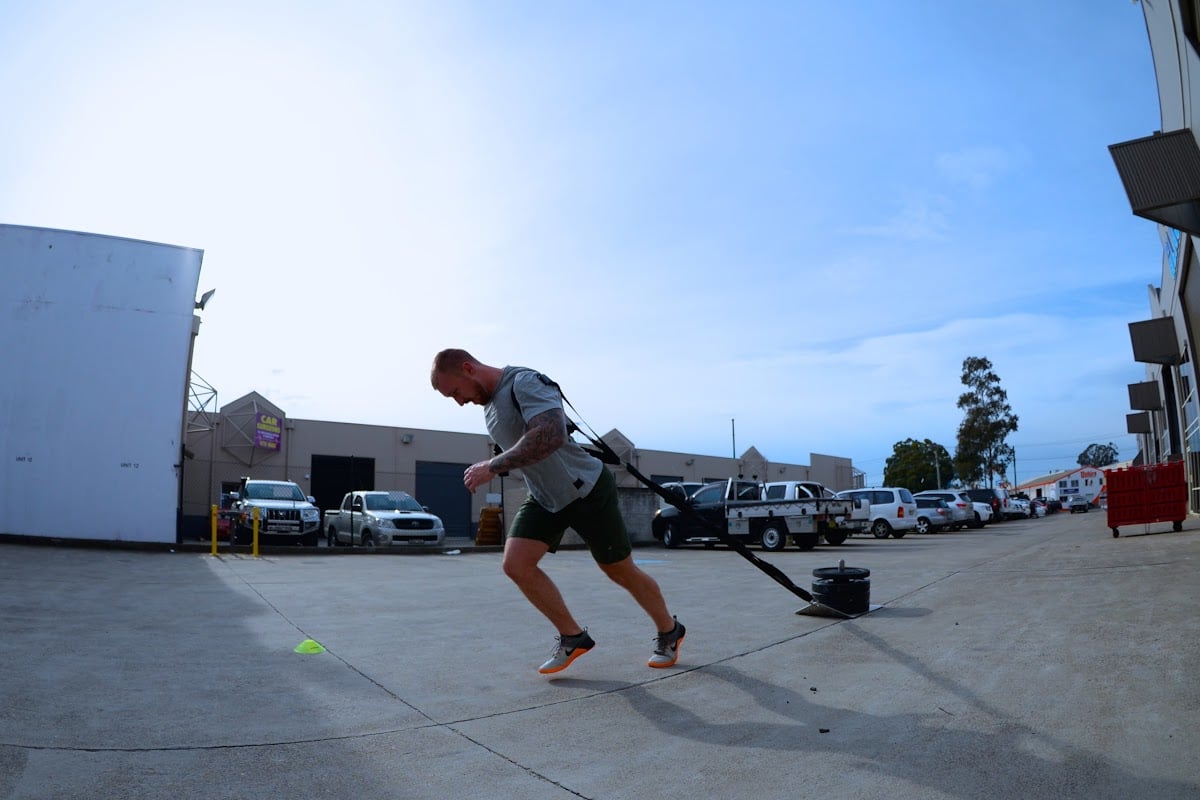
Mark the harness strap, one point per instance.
(601, 450)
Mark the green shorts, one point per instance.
(596, 518)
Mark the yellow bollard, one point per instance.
(254, 533)
(213, 530)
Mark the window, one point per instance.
(1189, 12)
(392, 501)
(1171, 250)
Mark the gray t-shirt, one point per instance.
(569, 472)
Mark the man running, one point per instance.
(568, 488)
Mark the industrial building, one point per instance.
(251, 436)
(1161, 176)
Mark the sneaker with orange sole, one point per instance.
(566, 650)
(666, 647)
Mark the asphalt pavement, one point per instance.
(1032, 659)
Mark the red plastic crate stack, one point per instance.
(1145, 494)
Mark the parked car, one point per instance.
(226, 516)
(893, 510)
(1053, 505)
(983, 513)
(673, 528)
(933, 514)
(284, 512)
(962, 511)
(1079, 503)
(685, 488)
(1021, 508)
(997, 498)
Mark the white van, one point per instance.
(893, 510)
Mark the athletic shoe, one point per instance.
(566, 650)
(666, 647)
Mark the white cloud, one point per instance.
(917, 220)
(977, 168)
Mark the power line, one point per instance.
(1091, 440)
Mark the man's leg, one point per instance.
(644, 589)
(521, 557)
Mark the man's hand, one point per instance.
(544, 434)
(477, 475)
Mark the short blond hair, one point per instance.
(450, 360)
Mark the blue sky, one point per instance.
(798, 216)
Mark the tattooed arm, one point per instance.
(544, 434)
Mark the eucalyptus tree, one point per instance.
(988, 419)
(1098, 455)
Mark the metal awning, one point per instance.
(1145, 396)
(1161, 174)
(1138, 423)
(1154, 341)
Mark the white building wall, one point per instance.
(96, 332)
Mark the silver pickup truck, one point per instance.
(383, 519)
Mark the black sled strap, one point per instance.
(606, 454)
(602, 451)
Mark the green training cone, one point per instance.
(309, 646)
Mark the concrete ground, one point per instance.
(1032, 659)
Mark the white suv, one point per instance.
(893, 510)
(283, 513)
(962, 509)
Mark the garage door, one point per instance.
(333, 476)
(440, 489)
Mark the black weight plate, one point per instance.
(841, 589)
(845, 573)
(858, 603)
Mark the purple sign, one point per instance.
(267, 432)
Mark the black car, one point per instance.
(682, 489)
(673, 528)
(996, 498)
